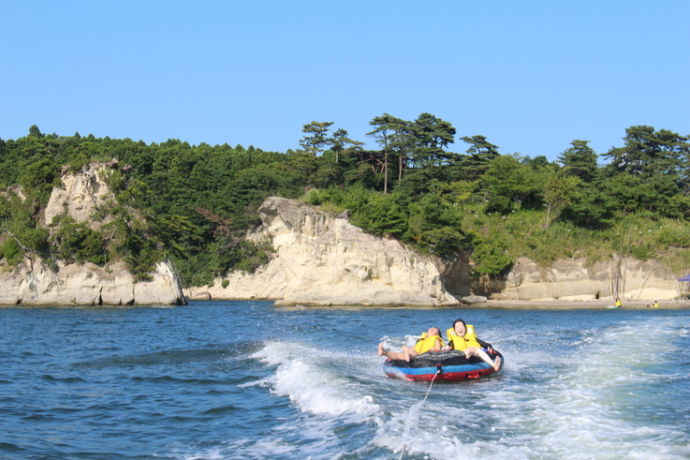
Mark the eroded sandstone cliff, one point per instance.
(322, 259)
(34, 282)
(319, 259)
(575, 279)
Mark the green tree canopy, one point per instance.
(580, 160)
(648, 153)
(315, 137)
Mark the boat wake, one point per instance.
(584, 401)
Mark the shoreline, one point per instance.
(543, 304)
(678, 304)
(582, 304)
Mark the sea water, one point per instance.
(217, 380)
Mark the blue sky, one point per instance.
(530, 76)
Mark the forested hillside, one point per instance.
(194, 203)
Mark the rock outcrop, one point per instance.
(34, 283)
(319, 259)
(574, 279)
(322, 259)
(81, 195)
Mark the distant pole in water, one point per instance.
(517, 295)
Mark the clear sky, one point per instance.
(529, 75)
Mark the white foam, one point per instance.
(244, 448)
(316, 438)
(572, 404)
(308, 377)
(574, 401)
(581, 414)
(441, 430)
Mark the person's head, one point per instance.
(460, 327)
(433, 331)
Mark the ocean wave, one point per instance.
(315, 382)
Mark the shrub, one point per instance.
(490, 258)
(36, 239)
(76, 242)
(677, 236)
(251, 257)
(12, 252)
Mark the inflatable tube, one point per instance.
(451, 366)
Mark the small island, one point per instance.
(101, 221)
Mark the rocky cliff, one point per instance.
(80, 195)
(34, 282)
(321, 259)
(575, 279)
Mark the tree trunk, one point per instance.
(548, 217)
(385, 173)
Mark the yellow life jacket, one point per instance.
(463, 343)
(427, 343)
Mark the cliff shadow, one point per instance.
(487, 285)
(456, 277)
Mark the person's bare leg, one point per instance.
(497, 363)
(394, 355)
(484, 357)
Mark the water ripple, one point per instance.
(218, 380)
(173, 357)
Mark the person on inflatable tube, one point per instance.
(430, 340)
(462, 337)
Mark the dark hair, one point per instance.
(459, 321)
(439, 331)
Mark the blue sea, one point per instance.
(249, 380)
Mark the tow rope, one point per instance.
(439, 371)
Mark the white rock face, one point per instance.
(79, 194)
(573, 279)
(321, 259)
(33, 283)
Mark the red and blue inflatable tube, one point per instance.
(444, 366)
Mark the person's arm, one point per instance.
(484, 344)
